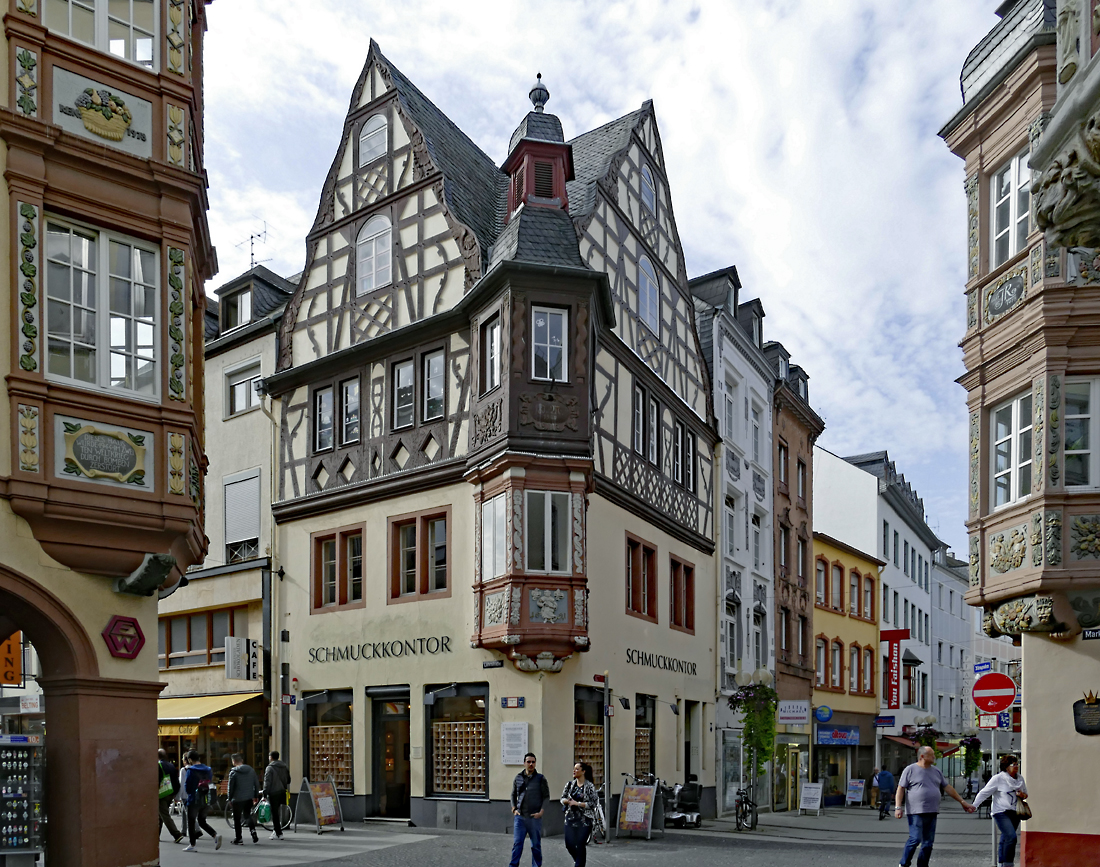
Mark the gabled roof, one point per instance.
(593, 154)
(270, 293)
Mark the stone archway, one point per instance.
(100, 737)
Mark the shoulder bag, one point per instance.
(1023, 810)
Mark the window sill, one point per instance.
(641, 616)
(241, 412)
(683, 629)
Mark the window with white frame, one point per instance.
(1012, 450)
(885, 603)
(728, 428)
(868, 597)
(242, 516)
(547, 529)
(853, 592)
(678, 453)
(323, 419)
(372, 139)
(836, 588)
(868, 669)
(490, 354)
(820, 582)
(819, 661)
(403, 389)
(649, 190)
(649, 296)
(637, 415)
(784, 457)
(837, 668)
(756, 434)
(803, 552)
(653, 432)
(101, 310)
(756, 560)
(784, 546)
(349, 411)
(125, 28)
(494, 536)
(372, 255)
(853, 668)
(236, 309)
(433, 385)
(731, 527)
(1081, 397)
(549, 344)
(1010, 209)
(689, 460)
(240, 387)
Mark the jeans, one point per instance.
(276, 801)
(196, 819)
(242, 810)
(922, 833)
(525, 826)
(166, 818)
(1007, 823)
(576, 841)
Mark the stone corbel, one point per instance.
(1067, 191)
(1043, 613)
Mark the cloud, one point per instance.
(800, 139)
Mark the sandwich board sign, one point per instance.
(810, 799)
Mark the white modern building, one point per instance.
(952, 658)
(865, 502)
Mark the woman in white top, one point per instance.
(1005, 788)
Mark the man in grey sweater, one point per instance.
(244, 792)
(922, 786)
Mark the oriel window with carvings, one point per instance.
(125, 28)
(1082, 397)
(549, 344)
(548, 530)
(1009, 192)
(1012, 450)
(490, 354)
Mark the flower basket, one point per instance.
(113, 129)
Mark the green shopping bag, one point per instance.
(263, 812)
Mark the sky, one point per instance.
(800, 139)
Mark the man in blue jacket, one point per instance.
(196, 782)
(529, 792)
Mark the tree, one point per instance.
(756, 704)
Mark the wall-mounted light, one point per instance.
(625, 702)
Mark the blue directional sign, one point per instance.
(1004, 720)
(982, 667)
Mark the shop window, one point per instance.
(328, 728)
(549, 344)
(837, 588)
(641, 578)
(419, 555)
(588, 722)
(682, 593)
(338, 569)
(198, 639)
(125, 28)
(349, 411)
(403, 400)
(241, 389)
(458, 739)
(853, 592)
(645, 721)
(322, 419)
(242, 516)
(547, 531)
(490, 354)
(433, 385)
(494, 537)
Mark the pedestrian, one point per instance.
(169, 786)
(886, 786)
(921, 787)
(276, 783)
(579, 799)
(1006, 788)
(196, 781)
(874, 788)
(244, 792)
(529, 792)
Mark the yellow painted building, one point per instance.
(846, 660)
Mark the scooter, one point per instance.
(684, 809)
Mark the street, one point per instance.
(852, 838)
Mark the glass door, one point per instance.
(391, 757)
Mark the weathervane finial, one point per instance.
(539, 94)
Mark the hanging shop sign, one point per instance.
(124, 637)
(369, 650)
(885, 721)
(792, 713)
(242, 658)
(104, 114)
(823, 714)
(11, 660)
(664, 663)
(894, 638)
(841, 736)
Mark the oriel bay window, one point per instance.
(547, 531)
(125, 28)
(549, 344)
(641, 578)
(1081, 397)
(490, 354)
(1012, 451)
(458, 738)
(419, 555)
(494, 536)
(1009, 191)
(102, 303)
(682, 594)
(199, 638)
(338, 569)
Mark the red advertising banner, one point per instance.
(894, 638)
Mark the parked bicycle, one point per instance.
(745, 812)
(598, 834)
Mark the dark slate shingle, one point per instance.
(541, 235)
(593, 153)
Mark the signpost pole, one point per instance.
(607, 754)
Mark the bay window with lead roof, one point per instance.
(1012, 450)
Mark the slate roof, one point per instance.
(537, 126)
(592, 155)
(879, 465)
(1000, 45)
(538, 234)
(475, 190)
(270, 293)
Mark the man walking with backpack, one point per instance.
(196, 781)
(276, 782)
(169, 785)
(244, 792)
(529, 792)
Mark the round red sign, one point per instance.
(994, 692)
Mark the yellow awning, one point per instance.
(197, 706)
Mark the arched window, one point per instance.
(372, 255)
(372, 139)
(649, 192)
(649, 296)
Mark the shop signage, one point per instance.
(823, 713)
(855, 793)
(792, 713)
(1090, 634)
(124, 637)
(242, 659)
(325, 803)
(636, 808)
(894, 638)
(840, 736)
(103, 114)
(493, 663)
(30, 703)
(512, 701)
(994, 692)
(1086, 715)
(810, 798)
(289, 699)
(656, 660)
(513, 742)
(382, 650)
(184, 730)
(885, 721)
(11, 660)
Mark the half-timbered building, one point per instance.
(494, 469)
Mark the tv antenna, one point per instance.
(252, 239)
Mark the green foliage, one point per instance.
(927, 736)
(756, 704)
(972, 754)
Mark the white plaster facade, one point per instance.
(952, 654)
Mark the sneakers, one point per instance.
(190, 849)
(273, 836)
(237, 842)
(179, 839)
(255, 839)
(217, 841)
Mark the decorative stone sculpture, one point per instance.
(1007, 550)
(1067, 199)
(1025, 614)
(548, 606)
(1069, 30)
(1054, 538)
(1084, 541)
(1036, 539)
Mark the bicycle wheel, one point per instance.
(752, 816)
(598, 834)
(227, 810)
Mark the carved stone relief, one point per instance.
(176, 37)
(176, 443)
(1086, 262)
(177, 280)
(28, 287)
(1069, 29)
(1035, 539)
(1065, 193)
(580, 616)
(1007, 550)
(975, 561)
(1037, 424)
(515, 550)
(758, 486)
(578, 533)
(515, 600)
(519, 340)
(1052, 261)
(975, 456)
(1054, 447)
(733, 465)
(26, 82)
(972, 310)
(1036, 265)
(1084, 537)
(1088, 610)
(29, 450)
(1025, 614)
(1005, 294)
(495, 609)
(580, 344)
(549, 412)
(176, 138)
(548, 606)
(545, 661)
(1054, 538)
(487, 424)
(973, 256)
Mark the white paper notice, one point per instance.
(635, 811)
(328, 808)
(513, 742)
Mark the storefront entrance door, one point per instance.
(390, 749)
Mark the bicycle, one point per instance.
(884, 804)
(745, 815)
(598, 834)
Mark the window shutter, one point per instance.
(544, 180)
(242, 510)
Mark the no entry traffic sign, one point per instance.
(994, 692)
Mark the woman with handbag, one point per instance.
(579, 799)
(1009, 806)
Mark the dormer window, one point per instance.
(236, 310)
(649, 191)
(784, 368)
(372, 139)
(756, 330)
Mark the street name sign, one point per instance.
(982, 667)
(994, 692)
